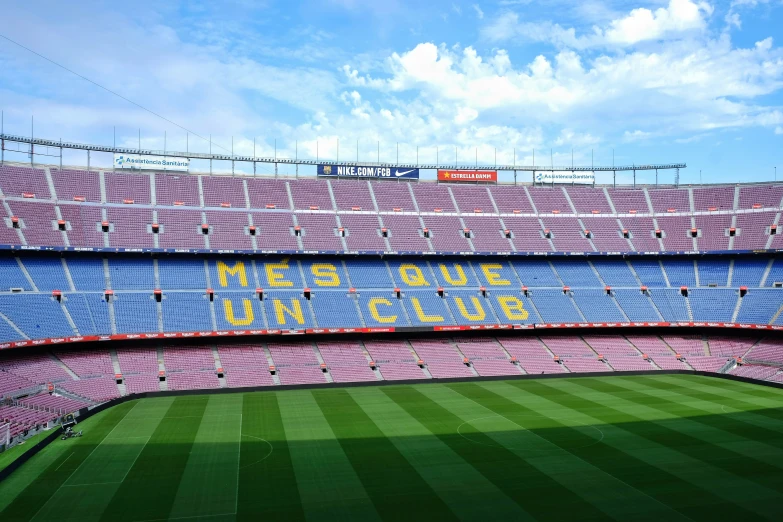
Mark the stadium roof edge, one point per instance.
(250, 159)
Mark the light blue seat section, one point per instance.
(87, 273)
(335, 309)
(536, 273)
(369, 274)
(748, 272)
(760, 306)
(637, 306)
(555, 307)
(615, 272)
(47, 273)
(11, 275)
(576, 273)
(39, 316)
(649, 271)
(713, 271)
(135, 312)
(681, 272)
(186, 312)
(597, 306)
(670, 303)
(132, 274)
(178, 273)
(90, 313)
(715, 304)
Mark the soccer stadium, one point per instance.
(190, 332)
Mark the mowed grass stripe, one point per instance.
(40, 490)
(328, 486)
(463, 488)
(501, 466)
(662, 471)
(738, 395)
(723, 429)
(734, 471)
(91, 487)
(149, 490)
(729, 399)
(595, 486)
(392, 484)
(267, 483)
(209, 483)
(633, 460)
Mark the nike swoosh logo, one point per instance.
(398, 173)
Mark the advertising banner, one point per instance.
(468, 175)
(360, 171)
(143, 161)
(586, 178)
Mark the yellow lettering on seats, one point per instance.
(423, 317)
(373, 306)
(295, 311)
(412, 275)
(461, 279)
(493, 278)
(228, 311)
(276, 278)
(478, 315)
(237, 270)
(327, 271)
(513, 307)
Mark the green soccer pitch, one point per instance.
(666, 447)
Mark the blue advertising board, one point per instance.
(361, 171)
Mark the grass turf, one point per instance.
(620, 447)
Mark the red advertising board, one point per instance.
(468, 175)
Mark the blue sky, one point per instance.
(655, 81)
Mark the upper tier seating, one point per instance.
(118, 209)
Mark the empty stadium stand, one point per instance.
(110, 210)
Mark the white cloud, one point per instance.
(465, 115)
(479, 12)
(636, 135)
(643, 24)
(639, 25)
(779, 131)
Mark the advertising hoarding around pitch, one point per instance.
(456, 176)
(361, 171)
(579, 178)
(143, 161)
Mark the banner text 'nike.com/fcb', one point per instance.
(359, 171)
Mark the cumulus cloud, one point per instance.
(679, 17)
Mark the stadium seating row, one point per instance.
(51, 297)
(81, 209)
(81, 378)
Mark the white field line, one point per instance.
(63, 462)
(85, 460)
